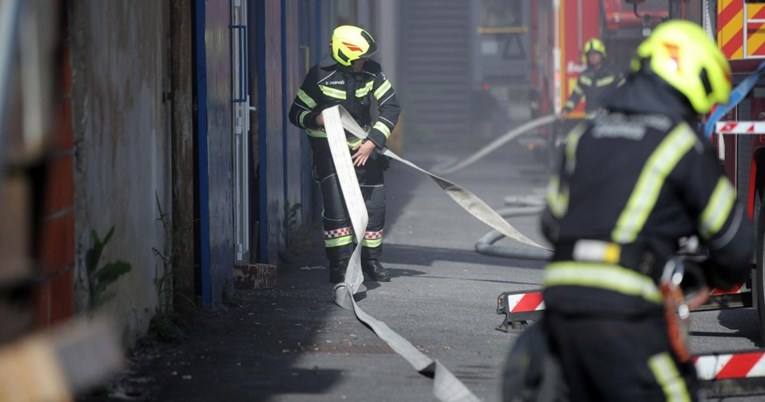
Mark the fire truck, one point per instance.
(740, 135)
(557, 42)
(558, 31)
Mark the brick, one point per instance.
(62, 293)
(42, 305)
(59, 192)
(63, 132)
(57, 243)
(65, 70)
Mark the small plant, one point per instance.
(164, 323)
(290, 221)
(99, 278)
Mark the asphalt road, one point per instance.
(291, 343)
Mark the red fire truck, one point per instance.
(558, 31)
(740, 28)
(560, 28)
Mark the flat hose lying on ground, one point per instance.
(517, 206)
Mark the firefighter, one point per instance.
(632, 182)
(595, 82)
(349, 78)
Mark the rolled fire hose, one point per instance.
(446, 386)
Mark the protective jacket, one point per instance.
(631, 183)
(594, 85)
(328, 84)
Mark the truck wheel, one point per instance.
(758, 282)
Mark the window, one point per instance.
(501, 13)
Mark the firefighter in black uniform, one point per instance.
(631, 183)
(595, 82)
(349, 78)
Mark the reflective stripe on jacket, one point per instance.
(645, 179)
(328, 84)
(594, 86)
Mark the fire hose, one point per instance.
(446, 386)
(519, 207)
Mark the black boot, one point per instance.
(375, 271)
(337, 271)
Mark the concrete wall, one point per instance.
(122, 145)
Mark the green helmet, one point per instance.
(351, 43)
(681, 53)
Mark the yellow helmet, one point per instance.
(351, 43)
(594, 45)
(681, 53)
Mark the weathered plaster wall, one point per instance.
(122, 146)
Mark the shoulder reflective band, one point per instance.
(446, 387)
(736, 96)
(466, 199)
(643, 198)
(383, 89)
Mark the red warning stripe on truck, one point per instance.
(725, 366)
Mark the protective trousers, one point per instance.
(619, 359)
(338, 232)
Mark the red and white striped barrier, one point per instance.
(740, 127)
(532, 301)
(520, 307)
(740, 288)
(523, 302)
(726, 366)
